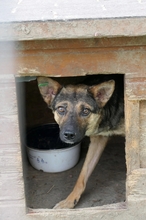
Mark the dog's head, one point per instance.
(77, 109)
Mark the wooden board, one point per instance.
(79, 61)
(8, 98)
(132, 135)
(136, 87)
(12, 186)
(24, 20)
(10, 158)
(9, 133)
(74, 57)
(142, 128)
(136, 182)
(91, 28)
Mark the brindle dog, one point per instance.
(94, 108)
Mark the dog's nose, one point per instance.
(69, 135)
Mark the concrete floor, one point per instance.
(43, 190)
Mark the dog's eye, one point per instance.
(85, 112)
(61, 110)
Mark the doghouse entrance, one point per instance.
(43, 190)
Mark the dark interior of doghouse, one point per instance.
(43, 190)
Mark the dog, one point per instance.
(94, 108)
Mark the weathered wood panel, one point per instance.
(60, 58)
(75, 43)
(136, 183)
(17, 212)
(8, 98)
(11, 210)
(9, 129)
(77, 62)
(136, 90)
(12, 186)
(132, 135)
(10, 158)
(71, 29)
(136, 87)
(7, 62)
(143, 134)
(6, 78)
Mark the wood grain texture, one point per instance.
(13, 210)
(12, 186)
(9, 129)
(10, 158)
(77, 62)
(75, 43)
(75, 57)
(142, 134)
(7, 78)
(8, 98)
(72, 29)
(136, 88)
(136, 183)
(132, 135)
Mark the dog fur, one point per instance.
(94, 108)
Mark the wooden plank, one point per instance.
(74, 43)
(136, 88)
(136, 183)
(56, 58)
(13, 210)
(18, 212)
(14, 203)
(137, 212)
(142, 134)
(7, 62)
(9, 130)
(12, 186)
(72, 29)
(6, 78)
(8, 98)
(132, 135)
(77, 62)
(10, 158)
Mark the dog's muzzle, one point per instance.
(70, 136)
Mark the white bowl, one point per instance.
(52, 160)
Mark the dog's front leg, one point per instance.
(96, 147)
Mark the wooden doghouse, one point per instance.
(51, 39)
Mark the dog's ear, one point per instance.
(102, 92)
(49, 88)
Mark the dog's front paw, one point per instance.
(65, 204)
